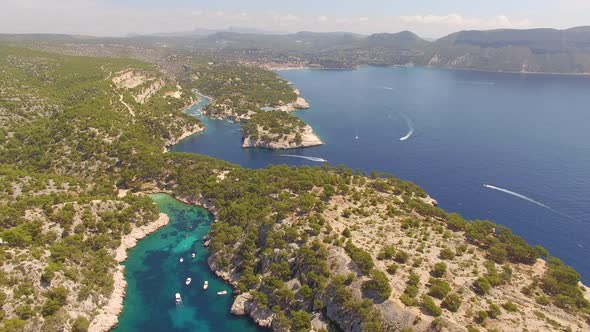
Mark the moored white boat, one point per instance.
(193, 255)
(206, 284)
(181, 260)
(178, 298)
(223, 292)
(188, 281)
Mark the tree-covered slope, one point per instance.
(361, 252)
(277, 130)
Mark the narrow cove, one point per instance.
(154, 275)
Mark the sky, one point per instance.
(427, 18)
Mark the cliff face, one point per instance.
(266, 140)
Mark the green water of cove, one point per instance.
(154, 275)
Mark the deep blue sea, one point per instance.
(526, 136)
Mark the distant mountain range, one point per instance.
(534, 50)
(206, 32)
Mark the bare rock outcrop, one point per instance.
(244, 305)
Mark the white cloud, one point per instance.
(290, 18)
(503, 21)
(459, 21)
(97, 17)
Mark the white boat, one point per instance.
(181, 260)
(178, 299)
(223, 292)
(193, 255)
(206, 284)
(188, 281)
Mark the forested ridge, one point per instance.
(359, 251)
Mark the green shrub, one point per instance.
(561, 281)
(361, 258)
(509, 306)
(401, 257)
(452, 302)
(413, 279)
(481, 316)
(408, 300)
(498, 253)
(392, 268)
(411, 290)
(301, 321)
(378, 284)
(482, 286)
(24, 312)
(439, 270)
(437, 325)
(13, 325)
(346, 233)
(430, 306)
(386, 253)
(494, 311)
(81, 324)
(438, 288)
(446, 254)
(543, 300)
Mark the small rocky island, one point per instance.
(278, 130)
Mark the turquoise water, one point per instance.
(527, 134)
(154, 275)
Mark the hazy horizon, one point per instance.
(427, 18)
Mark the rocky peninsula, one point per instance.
(278, 130)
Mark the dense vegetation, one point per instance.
(280, 232)
(274, 126)
(238, 90)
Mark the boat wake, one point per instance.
(477, 83)
(316, 159)
(410, 128)
(387, 88)
(521, 196)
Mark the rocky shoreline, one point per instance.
(108, 316)
(194, 129)
(308, 139)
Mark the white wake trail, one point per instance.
(477, 83)
(515, 194)
(410, 128)
(316, 159)
(387, 88)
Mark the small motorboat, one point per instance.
(178, 298)
(193, 255)
(188, 281)
(223, 292)
(181, 260)
(206, 284)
